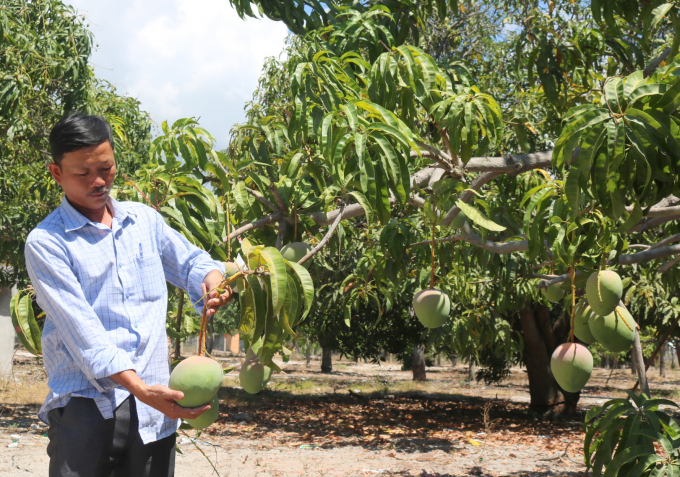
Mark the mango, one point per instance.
(254, 375)
(293, 252)
(612, 330)
(611, 288)
(230, 269)
(432, 307)
(582, 316)
(209, 416)
(198, 378)
(571, 365)
(553, 293)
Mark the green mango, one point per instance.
(604, 301)
(432, 307)
(571, 365)
(209, 416)
(198, 378)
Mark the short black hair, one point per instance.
(77, 131)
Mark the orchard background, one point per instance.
(486, 149)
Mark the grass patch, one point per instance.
(22, 391)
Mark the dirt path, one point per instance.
(309, 424)
(245, 458)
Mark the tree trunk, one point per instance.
(662, 361)
(418, 364)
(546, 395)
(472, 364)
(633, 365)
(326, 360)
(308, 353)
(454, 360)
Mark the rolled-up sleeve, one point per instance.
(61, 296)
(184, 264)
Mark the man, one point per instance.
(99, 268)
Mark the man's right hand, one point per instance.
(163, 398)
(157, 396)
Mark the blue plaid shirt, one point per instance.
(104, 294)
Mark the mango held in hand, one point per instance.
(553, 293)
(582, 317)
(230, 269)
(293, 252)
(615, 331)
(432, 307)
(198, 378)
(208, 417)
(571, 365)
(606, 299)
(254, 375)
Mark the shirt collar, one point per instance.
(74, 220)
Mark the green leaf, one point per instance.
(634, 217)
(23, 320)
(624, 457)
(478, 217)
(307, 284)
(276, 266)
(361, 199)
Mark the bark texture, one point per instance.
(472, 368)
(540, 340)
(419, 363)
(326, 360)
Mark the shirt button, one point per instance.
(127, 295)
(120, 265)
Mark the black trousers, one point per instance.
(84, 444)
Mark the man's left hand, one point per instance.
(214, 299)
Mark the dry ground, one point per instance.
(363, 419)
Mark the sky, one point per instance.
(182, 58)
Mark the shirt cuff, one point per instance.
(104, 362)
(198, 273)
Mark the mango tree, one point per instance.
(372, 125)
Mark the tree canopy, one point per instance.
(44, 73)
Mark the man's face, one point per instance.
(86, 175)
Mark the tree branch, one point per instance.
(668, 265)
(455, 160)
(649, 255)
(495, 247)
(277, 196)
(326, 238)
(654, 64)
(453, 238)
(649, 223)
(261, 198)
(666, 241)
(477, 184)
(510, 164)
(258, 224)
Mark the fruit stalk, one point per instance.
(434, 243)
(178, 324)
(228, 232)
(623, 319)
(201, 332)
(572, 274)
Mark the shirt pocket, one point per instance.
(151, 276)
